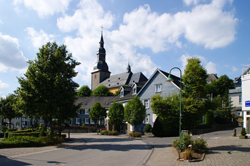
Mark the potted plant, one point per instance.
(243, 133)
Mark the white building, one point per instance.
(245, 78)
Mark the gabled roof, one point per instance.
(211, 77)
(129, 92)
(88, 102)
(176, 81)
(127, 78)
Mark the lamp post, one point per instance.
(169, 79)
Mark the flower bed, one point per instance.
(190, 149)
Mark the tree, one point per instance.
(169, 109)
(194, 79)
(101, 90)
(224, 84)
(84, 91)
(134, 111)
(7, 110)
(48, 86)
(116, 114)
(97, 112)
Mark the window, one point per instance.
(239, 98)
(134, 90)
(146, 103)
(17, 123)
(86, 111)
(86, 120)
(122, 93)
(78, 121)
(92, 122)
(158, 88)
(147, 119)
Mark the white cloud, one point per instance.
(206, 24)
(189, 2)
(11, 57)
(3, 85)
(1, 22)
(45, 7)
(209, 66)
(38, 38)
(234, 69)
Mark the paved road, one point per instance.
(92, 149)
(86, 149)
(225, 150)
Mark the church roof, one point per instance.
(124, 79)
(88, 102)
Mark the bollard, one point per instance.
(234, 132)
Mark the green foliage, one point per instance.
(116, 113)
(101, 90)
(169, 108)
(194, 79)
(165, 127)
(224, 83)
(243, 131)
(97, 112)
(200, 145)
(15, 134)
(148, 128)
(84, 91)
(203, 126)
(104, 132)
(135, 134)
(4, 128)
(48, 89)
(209, 117)
(134, 111)
(7, 110)
(113, 133)
(186, 140)
(42, 132)
(27, 141)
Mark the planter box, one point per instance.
(242, 137)
(149, 134)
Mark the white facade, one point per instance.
(236, 98)
(245, 78)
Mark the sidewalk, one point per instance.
(223, 151)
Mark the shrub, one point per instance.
(4, 128)
(200, 145)
(135, 134)
(203, 126)
(243, 131)
(15, 134)
(104, 132)
(165, 127)
(148, 128)
(10, 130)
(186, 140)
(209, 117)
(113, 133)
(42, 132)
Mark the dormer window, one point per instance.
(134, 90)
(121, 92)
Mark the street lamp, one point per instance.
(169, 79)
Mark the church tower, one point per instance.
(101, 69)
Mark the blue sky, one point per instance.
(147, 34)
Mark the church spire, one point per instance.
(128, 69)
(101, 41)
